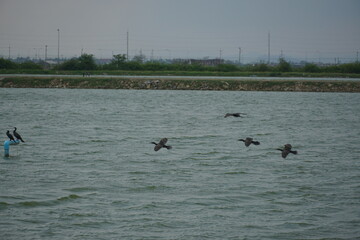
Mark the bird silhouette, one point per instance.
(161, 144)
(233, 115)
(17, 135)
(286, 150)
(10, 136)
(249, 141)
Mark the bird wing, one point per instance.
(284, 153)
(157, 147)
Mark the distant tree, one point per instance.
(139, 58)
(118, 60)
(86, 62)
(133, 66)
(262, 67)
(350, 67)
(227, 68)
(7, 64)
(29, 65)
(284, 66)
(72, 64)
(311, 68)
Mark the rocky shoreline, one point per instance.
(182, 84)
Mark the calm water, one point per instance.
(88, 170)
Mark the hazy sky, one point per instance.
(312, 30)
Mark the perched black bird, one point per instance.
(10, 136)
(286, 150)
(161, 144)
(249, 141)
(233, 115)
(17, 135)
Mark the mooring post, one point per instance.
(7, 144)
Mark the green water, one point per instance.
(87, 169)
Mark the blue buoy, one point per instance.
(7, 144)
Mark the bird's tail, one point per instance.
(168, 147)
(293, 152)
(255, 142)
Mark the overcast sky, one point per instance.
(311, 30)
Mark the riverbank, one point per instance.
(298, 85)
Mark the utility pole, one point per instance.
(357, 56)
(127, 45)
(220, 55)
(239, 55)
(9, 51)
(58, 60)
(45, 53)
(269, 47)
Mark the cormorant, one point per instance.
(249, 141)
(161, 144)
(17, 135)
(286, 150)
(233, 115)
(10, 136)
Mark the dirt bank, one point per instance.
(182, 84)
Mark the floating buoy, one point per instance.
(7, 144)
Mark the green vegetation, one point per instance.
(119, 66)
(181, 84)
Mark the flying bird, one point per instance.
(286, 150)
(161, 144)
(249, 141)
(17, 135)
(233, 115)
(10, 136)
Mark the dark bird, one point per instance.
(233, 115)
(249, 141)
(286, 150)
(17, 135)
(10, 136)
(161, 144)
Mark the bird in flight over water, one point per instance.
(161, 144)
(233, 115)
(249, 141)
(286, 150)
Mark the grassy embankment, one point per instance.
(186, 73)
(181, 84)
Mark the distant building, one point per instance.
(203, 62)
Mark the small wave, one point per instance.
(236, 172)
(71, 196)
(35, 203)
(148, 188)
(137, 172)
(99, 141)
(80, 189)
(263, 134)
(46, 203)
(3, 205)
